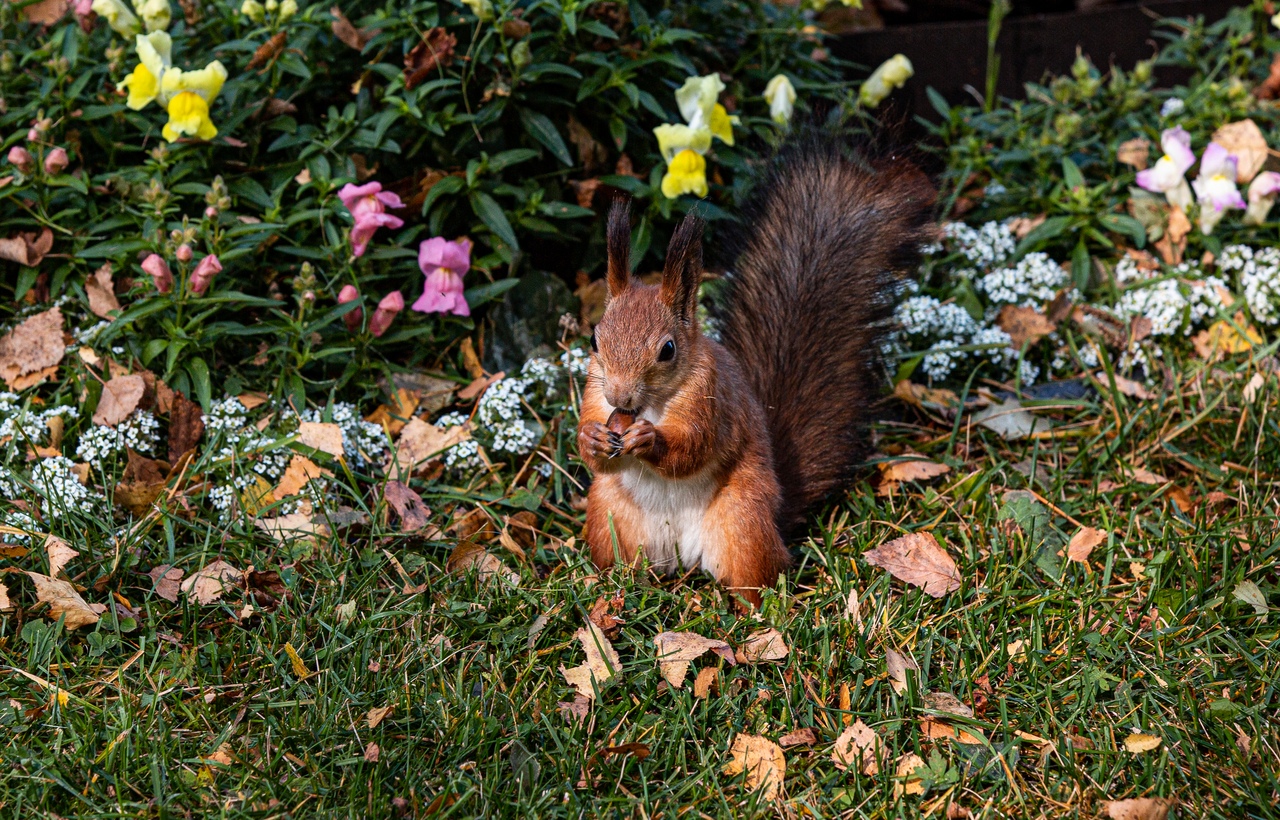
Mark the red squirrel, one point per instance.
(708, 454)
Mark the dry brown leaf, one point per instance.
(935, 729)
(925, 398)
(420, 442)
(59, 553)
(1139, 742)
(267, 53)
(166, 579)
(470, 555)
(1144, 476)
(46, 12)
(1243, 140)
(143, 481)
(477, 387)
(1270, 87)
(378, 714)
(101, 292)
(4, 597)
(120, 397)
(27, 249)
(1139, 808)
(1024, 225)
(296, 526)
(763, 762)
(63, 600)
(705, 682)
(1083, 542)
(1128, 387)
(409, 506)
(1025, 325)
(392, 417)
(323, 436)
(1134, 152)
(798, 737)
(602, 664)
(186, 427)
(858, 745)
(676, 650)
(913, 470)
(209, 584)
(346, 31)
(300, 471)
(433, 52)
(917, 559)
(897, 665)
(905, 779)
(371, 753)
(1250, 392)
(32, 349)
(763, 645)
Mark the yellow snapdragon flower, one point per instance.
(483, 9)
(156, 14)
(781, 96)
(696, 100)
(184, 94)
(892, 73)
(143, 83)
(673, 139)
(686, 174)
(119, 16)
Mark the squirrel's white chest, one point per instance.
(674, 512)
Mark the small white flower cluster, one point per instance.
(9, 486)
(228, 414)
(1172, 107)
(575, 360)
(986, 247)
(500, 414)
(1183, 303)
(464, 456)
(140, 433)
(21, 427)
(87, 335)
(19, 521)
(925, 316)
(543, 375)
(227, 424)
(1259, 272)
(363, 442)
(1032, 281)
(60, 490)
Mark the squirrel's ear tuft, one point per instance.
(683, 271)
(619, 244)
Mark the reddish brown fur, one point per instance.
(809, 303)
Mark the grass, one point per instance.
(187, 710)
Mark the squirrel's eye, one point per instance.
(668, 351)
(595, 348)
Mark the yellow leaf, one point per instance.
(762, 760)
(1138, 742)
(300, 670)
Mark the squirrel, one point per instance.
(710, 454)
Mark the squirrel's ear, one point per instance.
(683, 271)
(619, 245)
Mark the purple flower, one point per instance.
(1216, 186)
(21, 159)
(1262, 195)
(368, 205)
(390, 305)
(353, 318)
(444, 263)
(1167, 176)
(158, 270)
(203, 275)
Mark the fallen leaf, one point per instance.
(392, 417)
(1083, 543)
(591, 154)
(32, 349)
(101, 292)
(420, 442)
(926, 398)
(186, 426)
(1249, 593)
(637, 750)
(46, 12)
(1025, 325)
(705, 682)
(470, 555)
(298, 474)
(602, 663)
(1270, 87)
(858, 745)
(763, 762)
(59, 553)
(1222, 339)
(906, 781)
(165, 580)
(1134, 152)
(345, 31)
(377, 714)
(798, 737)
(935, 729)
(141, 484)
(1179, 226)
(676, 650)
(917, 559)
(602, 612)
(433, 52)
(1010, 421)
(1127, 387)
(300, 670)
(4, 597)
(27, 249)
(1144, 476)
(209, 584)
(1138, 808)
(409, 506)
(296, 526)
(1024, 225)
(322, 436)
(913, 470)
(576, 710)
(63, 601)
(371, 752)
(763, 645)
(897, 664)
(120, 397)
(1138, 742)
(478, 386)
(1244, 141)
(1251, 389)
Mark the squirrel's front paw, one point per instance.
(639, 439)
(595, 441)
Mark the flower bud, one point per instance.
(516, 29)
(353, 318)
(21, 159)
(203, 275)
(211, 212)
(288, 8)
(184, 252)
(159, 271)
(390, 305)
(55, 162)
(253, 10)
(521, 55)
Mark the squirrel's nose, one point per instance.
(624, 400)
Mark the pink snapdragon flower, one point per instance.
(21, 159)
(353, 318)
(1262, 195)
(368, 205)
(444, 263)
(158, 270)
(203, 275)
(1216, 186)
(56, 161)
(183, 253)
(390, 305)
(1168, 175)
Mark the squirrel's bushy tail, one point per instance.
(810, 297)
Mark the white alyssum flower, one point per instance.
(1162, 303)
(941, 360)
(1032, 281)
(575, 360)
(140, 432)
(60, 490)
(1172, 107)
(1259, 275)
(985, 247)
(363, 442)
(925, 316)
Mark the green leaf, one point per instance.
(1125, 224)
(544, 131)
(489, 291)
(938, 102)
(1071, 173)
(1080, 266)
(506, 159)
(1050, 228)
(446, 186)
(199, 373)
(492, 215)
